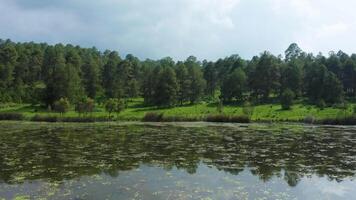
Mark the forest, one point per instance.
(43, 74)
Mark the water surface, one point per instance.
(184, 161)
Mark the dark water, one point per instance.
(191, 161)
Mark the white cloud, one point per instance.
(179, 28)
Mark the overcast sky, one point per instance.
(208, 29)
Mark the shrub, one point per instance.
(41, 118)
(180, 119)
(220, 107)
(218, 118)
(321, 104)
(354, 109)
(247, 109)
(110, 105)
(227, 118)
(309, 120)
(240, 119)
(153, 117)
(11, 116)
(86, 105)
(287, 99)
(120, 106)
(349, 120)
(62, 106)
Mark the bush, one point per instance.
(227, 118)
(350, 120)
(153, 117)
(247, 109)
(354, 109)
(41, 118)
(180, 119)
(309, 120)
(11, 116)
(120, 106)
(218, 118)
(110, 105)
(220, 107)
(321, 104)
(85, 106)
(62, 106)
(287, 99)
(240, 119)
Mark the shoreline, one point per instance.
(347, 121)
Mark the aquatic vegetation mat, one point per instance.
(176, 161)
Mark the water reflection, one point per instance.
(58, 153)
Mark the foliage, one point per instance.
(135, 111)
(287, 98)
(153, 117)
(321, 103)
(227, 118)
(247, 109)
(85, 106)
(220, 107)
(11, 116)
(120, 106)
(43, 74)
(110, 105)
(166, 90)
(234, 85)
(61, 106)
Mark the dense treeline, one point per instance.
(43, 74)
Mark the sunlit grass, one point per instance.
(136, 111)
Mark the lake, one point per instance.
(176, 161)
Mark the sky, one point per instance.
(207, 29)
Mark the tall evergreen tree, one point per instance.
(234, 85)
(109, 78)
(265, 77)
(166, 91)
(184, 83)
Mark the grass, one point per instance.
(136, 112)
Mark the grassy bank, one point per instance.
(200, 112)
